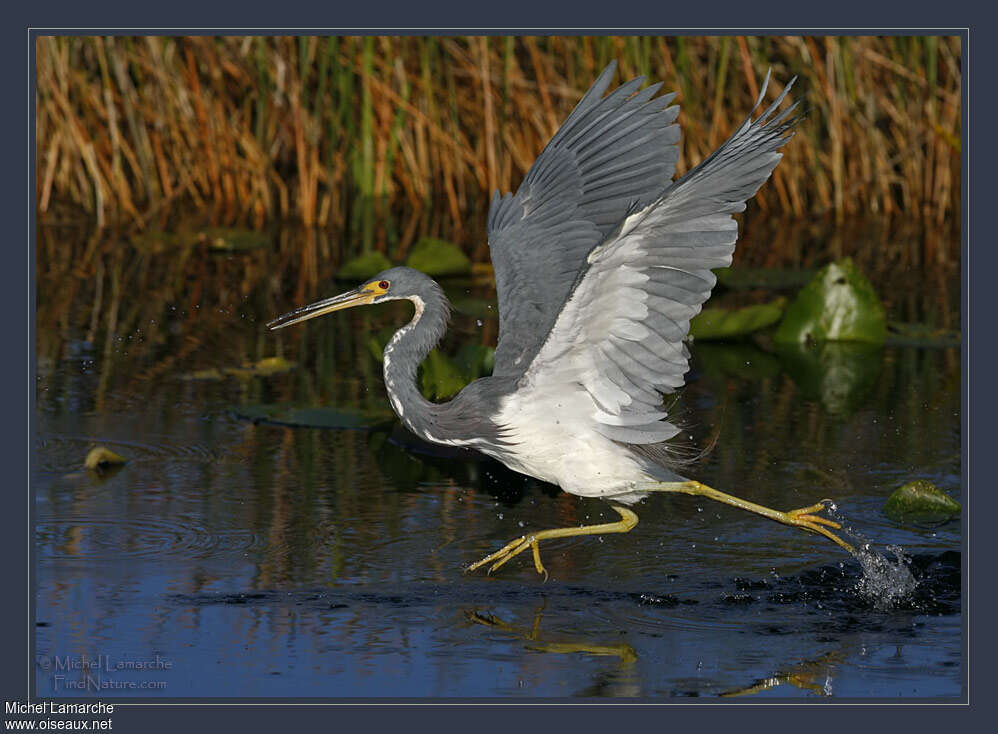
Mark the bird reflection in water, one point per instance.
(619, 681)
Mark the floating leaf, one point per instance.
(314, 417)
(438, 257)
(363, 266)
(920, 500)
(101, 459)
(839, 304)
(721, 323)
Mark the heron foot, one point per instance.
(806, 518)
(511, 550)
(627, 521)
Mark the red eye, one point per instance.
(383, 285)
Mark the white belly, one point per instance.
(553, 439)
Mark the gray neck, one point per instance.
(403, 353)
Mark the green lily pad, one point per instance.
(314, 416)
(770, 278)
(722, 323)
(101, 459)
(363, 266)
(839, 375)
(440, 377)
(920, 500)
(225, 239)
(438, 257)
(839, 304)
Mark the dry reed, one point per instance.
(391, 138)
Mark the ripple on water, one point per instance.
(88, 539)
(61, 454)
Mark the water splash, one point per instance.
(885, 582)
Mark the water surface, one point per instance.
(233, 557)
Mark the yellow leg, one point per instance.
(627, 521)
(802, 518)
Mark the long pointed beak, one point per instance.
(356, 297)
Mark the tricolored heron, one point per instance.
(601, 260)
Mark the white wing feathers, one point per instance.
(620, 335)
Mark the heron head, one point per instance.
(388, 285)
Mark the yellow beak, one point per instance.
(356, 297)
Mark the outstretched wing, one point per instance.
(611, 154)
(620, 335)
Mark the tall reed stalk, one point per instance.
(401, 136)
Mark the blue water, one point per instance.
(238, 558)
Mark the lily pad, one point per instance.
(920, 500)
(722, 323)
(101, 459)
(225, 239)
(839, 375)
(839, 304)
(314, 416)
(363, 266)
(438, 258)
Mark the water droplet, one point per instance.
(500, 516)
(885, 582)
(478, 322)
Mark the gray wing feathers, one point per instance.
(611, 154)
(623, 327)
